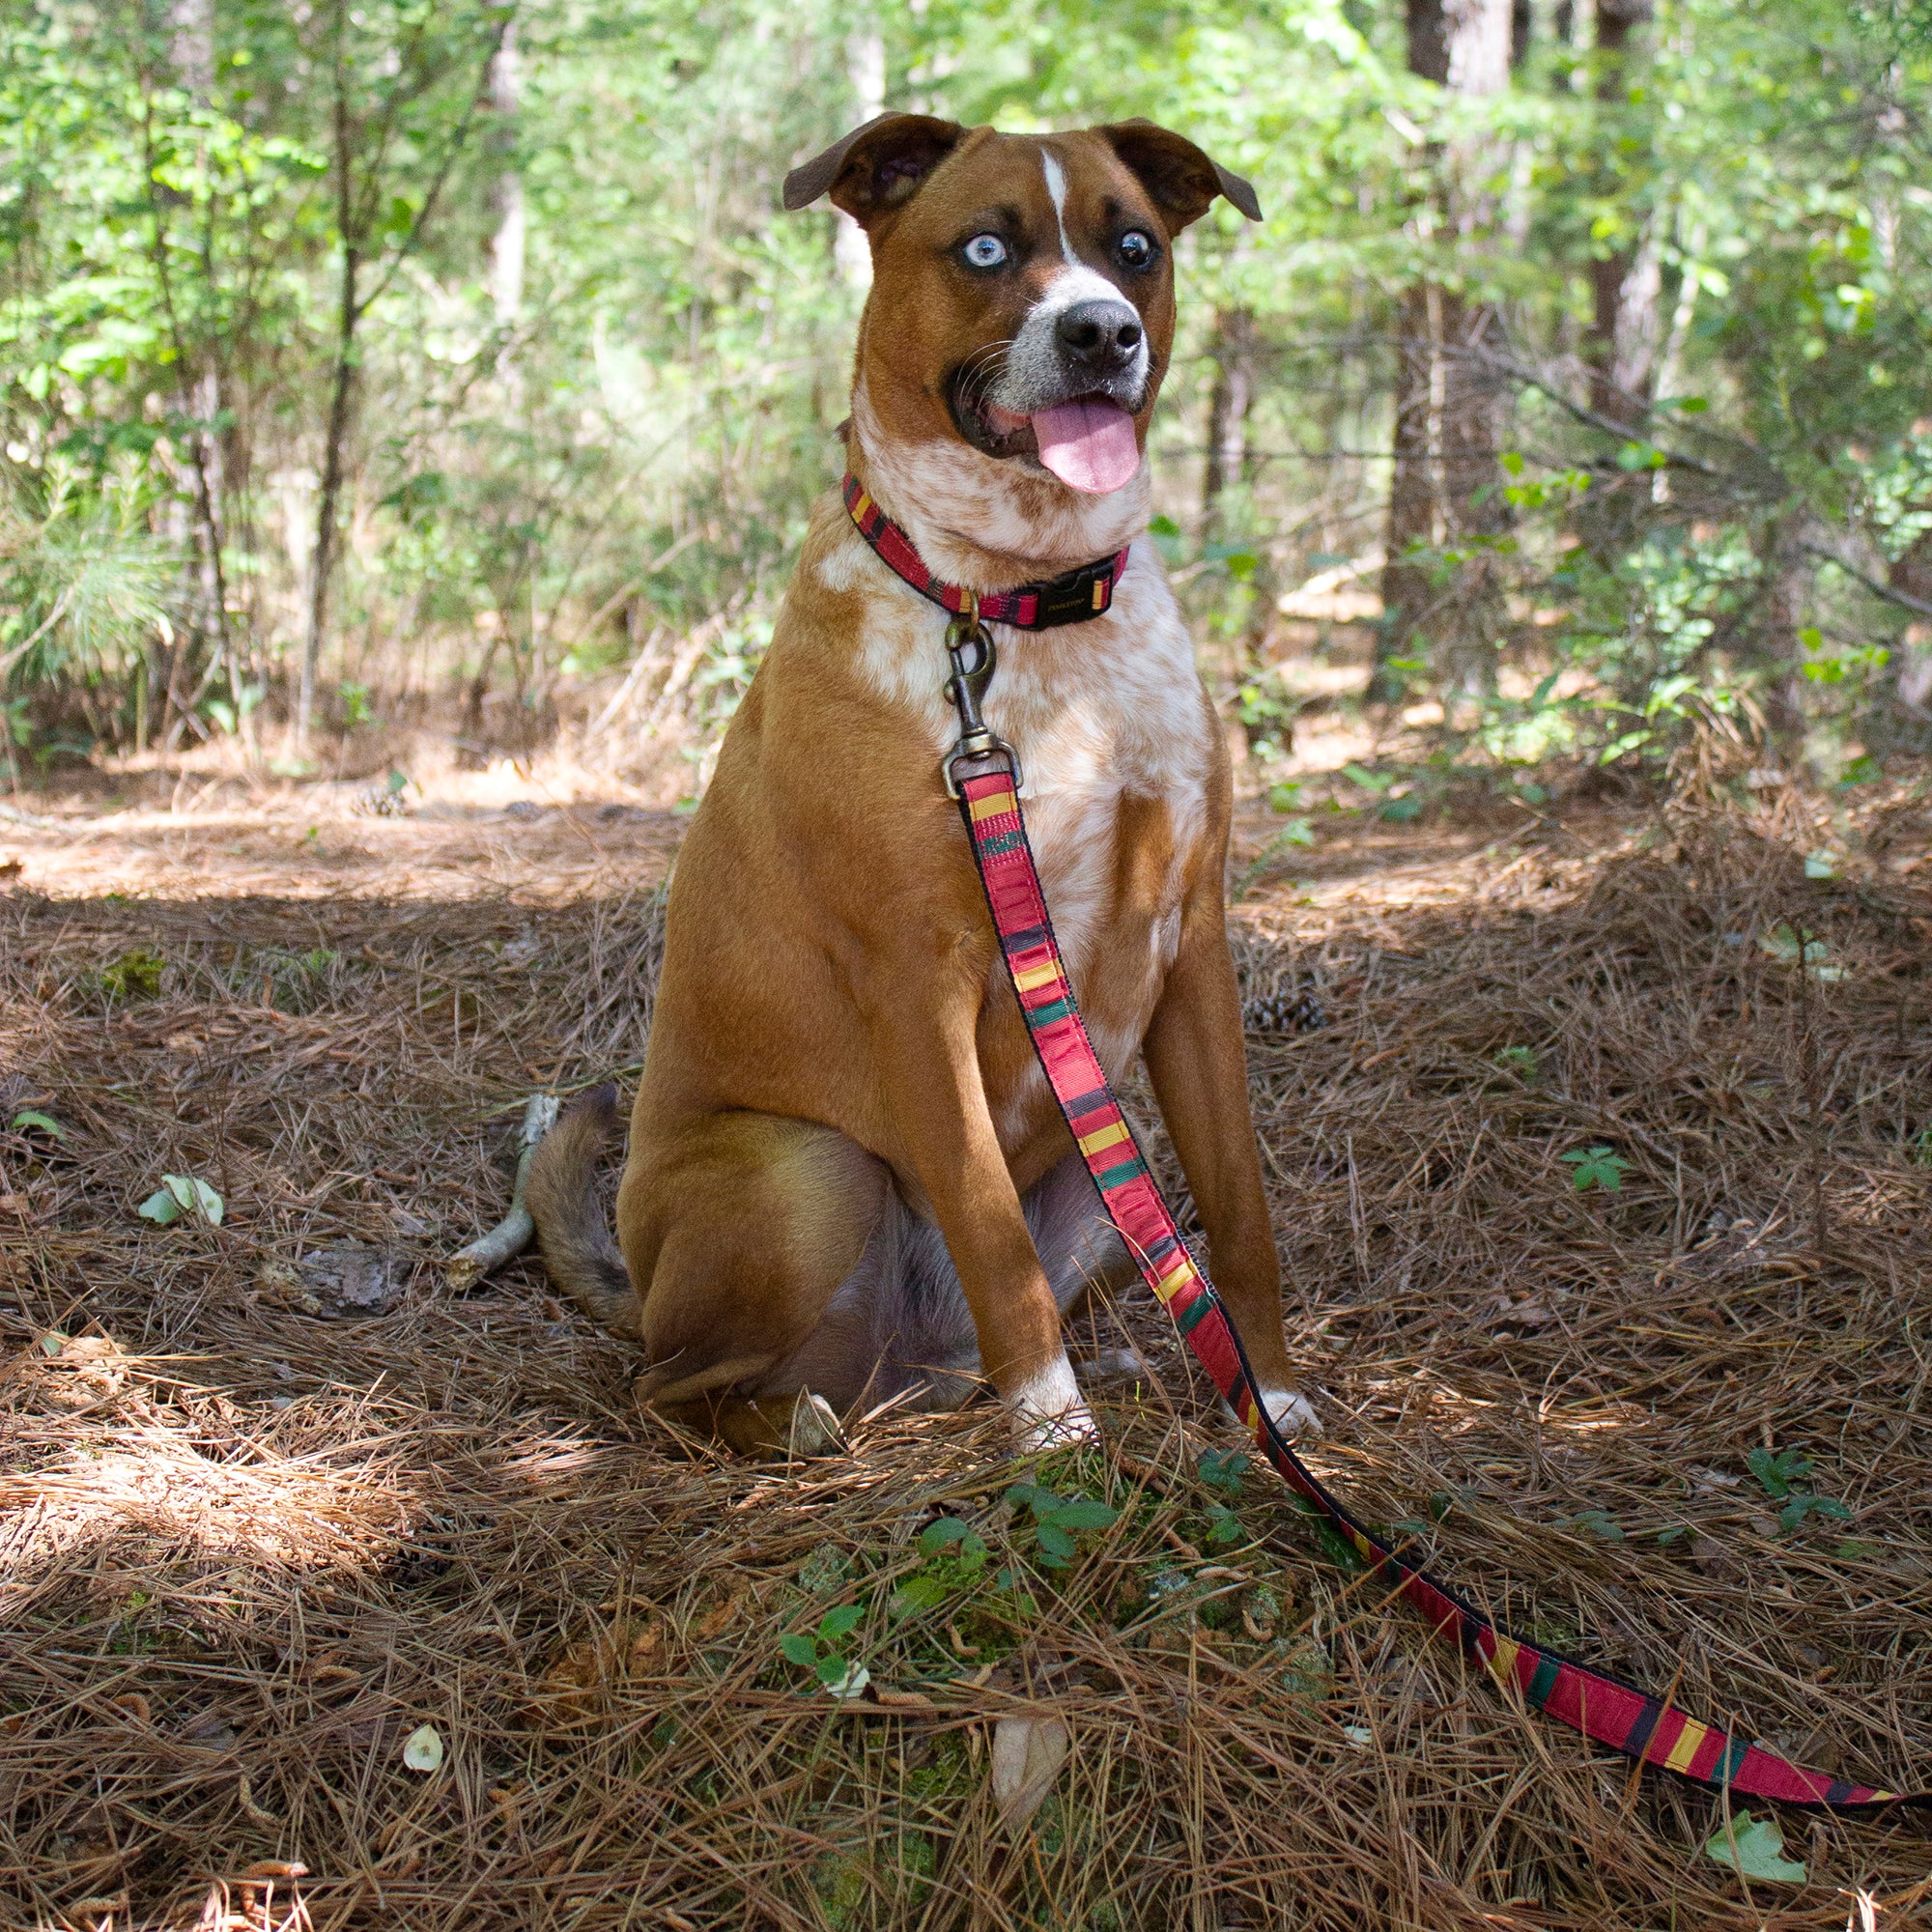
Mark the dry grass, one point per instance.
(247, 1551)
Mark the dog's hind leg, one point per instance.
(734, 1234)
(740, 1227)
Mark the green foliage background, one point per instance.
(533, 493)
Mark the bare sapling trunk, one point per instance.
(508, 244)
(358, 204)
(1407, 584)
(334, 440)
(1228, 405)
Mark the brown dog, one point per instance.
(847, 1177)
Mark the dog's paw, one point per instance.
(1293, 1412)
(1070, 1427)
(1047, 1411)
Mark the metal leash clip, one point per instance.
(970, 647)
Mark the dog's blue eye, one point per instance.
(984, 251)
(1135, 250)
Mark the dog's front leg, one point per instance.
(945, 1136)
(1195, 1056)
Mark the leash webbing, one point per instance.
(1603, 1707)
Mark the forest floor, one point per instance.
(273, 1499)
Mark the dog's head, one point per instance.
(1022, 307)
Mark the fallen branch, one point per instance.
(511, 1235)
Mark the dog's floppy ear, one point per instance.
(875, 168)
(1181, 180)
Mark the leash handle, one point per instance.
(1603, 1707)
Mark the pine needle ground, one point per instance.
(246, 1551)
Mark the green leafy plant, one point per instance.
(1790, 948)
(1522, 1061)
(1056, 1523)
(1777, 1476)
(955, 1556)
(1336, 1546)
(180, 1194)
(1556, 491)
(233, 715)
(823, 1652)
(1296, 832)
(1597, 1167)
(356, 708)
(1600, 1523)
(32, 1116)
(1222, 1471)
(1400, 806)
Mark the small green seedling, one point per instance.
(1296, 832)
(955, 1556)
(1336, 1546)
(1597, 1167)
(1058, 1522)
(1522, 1061)
(1223, 1471)
(1776, 1473)
(823, 1653)
(1778, 1477)
(1791, 948)
(182, 1194)
(1601, 1523)
(32, 1116)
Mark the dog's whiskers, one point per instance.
(982, 370)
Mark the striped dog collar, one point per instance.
(1072, 599)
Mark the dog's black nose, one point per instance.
(1100, 335)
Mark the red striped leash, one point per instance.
(1605, 1709)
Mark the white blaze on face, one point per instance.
(1034, 377)
(1056, 189)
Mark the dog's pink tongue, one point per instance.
(1088, 444)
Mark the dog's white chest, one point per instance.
(1104, 716)
(1099, 713)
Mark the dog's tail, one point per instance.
(560, 1193)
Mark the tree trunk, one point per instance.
(192, 56)
(336, 435)
(507, 244)
(1407, 588)
(1911, 574)
(1449, 384)
(1228, 407)
(865, 72)
(1627, 284)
